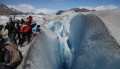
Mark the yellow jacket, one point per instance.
(4, 32)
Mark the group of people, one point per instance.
(18, 32)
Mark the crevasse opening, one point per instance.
(62, 29)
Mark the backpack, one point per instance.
(15, 56)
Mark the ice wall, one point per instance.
(61, 27)
(45, 52)
(93, 47)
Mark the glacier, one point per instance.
(76, 41)
(84, 42)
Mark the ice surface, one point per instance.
(89, 39)
(39, 19)
(24, 50)
(45, 52)
(93, 46)
(111, 19)
(4, 20)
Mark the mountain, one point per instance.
(5, 10)
(81, 10)
(60, 12)
(41, 13)
(16, 11)
(74, 9)
(31, 13)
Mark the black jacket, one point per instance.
(2, 42)
(12, 27)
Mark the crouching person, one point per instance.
(11, 56)
(35, 30)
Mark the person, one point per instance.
(38, 28)
(11, 56)
(35, 30)
(12, 31)
(27, 31)
(2, 42)
(20, 32)
(29, 19)
(33, 25)
(1, 26)
(4, 31)
(18, 22)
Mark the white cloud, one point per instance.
(107, 7)
(102, 7)
(87, 7)
(44, 10)
(22, 7)
(30, 8)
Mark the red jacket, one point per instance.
(20, 26)
(29, 18)
(27, 29)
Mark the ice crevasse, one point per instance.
(76, 41)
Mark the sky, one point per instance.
(55, 5)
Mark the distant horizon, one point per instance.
(51, 6)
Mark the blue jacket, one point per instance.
(35, 28)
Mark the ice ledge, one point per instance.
(112, 21)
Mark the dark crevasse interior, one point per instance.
(91, 45)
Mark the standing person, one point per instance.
(12, 31)
(20, 32)
(27, 31)
(2, 42)
(29, 18)
(29, 28)
(1, 26)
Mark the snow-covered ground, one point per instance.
(75, 41)
(3, 20)
(39, 19)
